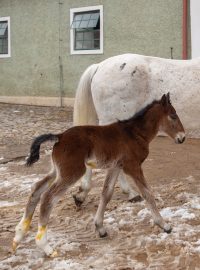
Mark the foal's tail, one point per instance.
(84, 110)
(35, 147)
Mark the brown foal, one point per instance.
(120, 146)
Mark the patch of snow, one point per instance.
(190, 178)
(3, 169)
(171, 212)
(109, 220)
(5, 184)
(65, 265)
(142, 214)
(194, 203)
(7, 204)
(70, 246)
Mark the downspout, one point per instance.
(184, 29)
(61, 85)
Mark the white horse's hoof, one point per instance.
(167, 228)
(136, 198)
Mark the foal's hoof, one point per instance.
(167, 228)
(14, 246)
(54, 254)
(104, 234)
(135, 199)
(77, 201)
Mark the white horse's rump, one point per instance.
(120, 86)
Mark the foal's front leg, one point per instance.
(106, 195)
(146, 193)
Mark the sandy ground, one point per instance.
(134, 242)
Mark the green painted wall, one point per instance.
(147, 27)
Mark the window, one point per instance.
(4, 37)
(86, 30)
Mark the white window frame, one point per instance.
(9, 50)
(84, 9)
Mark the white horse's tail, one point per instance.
(84, 110)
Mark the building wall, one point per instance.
(149, 27)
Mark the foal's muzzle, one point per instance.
(180, 137)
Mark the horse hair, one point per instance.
(35, 147)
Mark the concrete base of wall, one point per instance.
(38, 101)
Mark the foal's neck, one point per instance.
(147, 126)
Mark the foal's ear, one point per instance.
(168, 98)
(165, 100)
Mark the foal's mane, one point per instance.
(140, 113)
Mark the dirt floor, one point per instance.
(172, 170)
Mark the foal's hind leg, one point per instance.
(85, 187)
(48, 201)
(23, 226)
(106, 195)
(146, 193)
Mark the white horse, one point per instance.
(121, 85)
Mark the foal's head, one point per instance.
(171, 123)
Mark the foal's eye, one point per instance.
(173, 116)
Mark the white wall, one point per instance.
(195, 27)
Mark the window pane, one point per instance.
(88, 35)
(97, 44)
(75, 24)
(78, 17)
(79, 35)
(79, 45)
(83, 24)
(96, 34)
(87, 44)
(2, 31)
(86, 16)
(3, 28)
(92, 23)
(3, 24)
(95, 16)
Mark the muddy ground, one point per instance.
(173, 172)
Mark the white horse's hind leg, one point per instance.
(126, 188)
(85, 187)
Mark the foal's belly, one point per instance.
(94, 163)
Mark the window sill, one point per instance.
(86, 52)
(5, 55)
